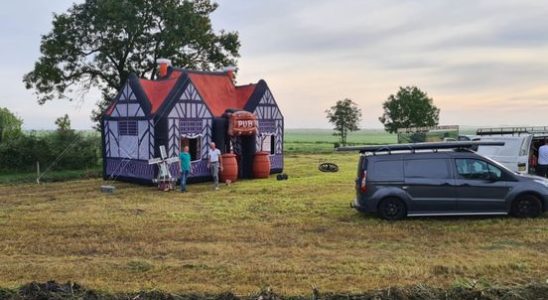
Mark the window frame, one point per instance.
(128, 130)
(379, 175)
(444, 161)
(499, 176)
(271, 138)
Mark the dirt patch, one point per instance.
(69, 290)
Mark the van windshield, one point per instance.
(512, 147)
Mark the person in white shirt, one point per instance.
(214, 163)
(542, 167)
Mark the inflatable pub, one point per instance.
(192, 108)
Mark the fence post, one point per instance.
(37, 172)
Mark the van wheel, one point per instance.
(527, 206)
(392, 209)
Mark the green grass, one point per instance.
(364, 136)
(291, 235)
(50, 176)
(323, 140)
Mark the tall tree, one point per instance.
(410, 107)
(10, 125)
(345, 116)
(98, 43)
(63, 123)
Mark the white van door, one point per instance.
(514, 154)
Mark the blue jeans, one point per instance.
(184, 176)
(215, 173)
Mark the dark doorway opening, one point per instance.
(248, 149)
(194, 146)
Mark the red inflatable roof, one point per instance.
(157, 90)
(219, 91)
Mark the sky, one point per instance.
(484, 63)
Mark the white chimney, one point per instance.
(230, 72)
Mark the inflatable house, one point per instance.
(191, 108)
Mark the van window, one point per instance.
(476, 169)
(388, 170)
(426, 168)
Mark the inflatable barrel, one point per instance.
(230, 167)
(261, 165)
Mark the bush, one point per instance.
(22, 153)
(78, 151)
(62, 150)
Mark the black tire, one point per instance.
(328, 167)
(392, 209)
(527, 206)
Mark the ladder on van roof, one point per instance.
(534, 130)
(420, 146)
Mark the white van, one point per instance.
(520, 150)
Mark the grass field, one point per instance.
(323, 140)
(50, 176)
(291, 235)
(296, 141)
(364, 136)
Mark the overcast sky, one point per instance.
(483, 62)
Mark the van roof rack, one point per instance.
(539, 130)
(420, 146)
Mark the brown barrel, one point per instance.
(230, 167)
(261, 165)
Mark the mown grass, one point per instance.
(291, 235)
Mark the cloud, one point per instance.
(472, 57)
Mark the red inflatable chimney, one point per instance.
(163, 65)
